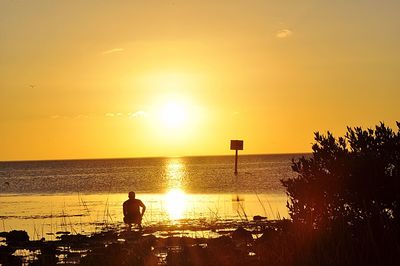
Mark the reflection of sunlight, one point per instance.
(175, 203)
(174, 168)
(175, 198)
(175, 172)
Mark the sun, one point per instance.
(174, 114)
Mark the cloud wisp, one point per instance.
(139, 113)
(114, 114)
(111, 51)
(285, 33)
(78, 116)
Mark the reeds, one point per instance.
(294, 244)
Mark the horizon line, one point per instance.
(145, 157)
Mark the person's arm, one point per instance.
(143, 207)
(124, 209)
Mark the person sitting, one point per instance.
(132, 212)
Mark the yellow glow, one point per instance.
(235, 73)
(175, 120)
(167, 81)
(175, 200)
(173, 114)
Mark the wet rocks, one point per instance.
(16, 237)
(242, 236)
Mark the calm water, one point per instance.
(257, 174)
(44, 197)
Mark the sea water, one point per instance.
(44, 197)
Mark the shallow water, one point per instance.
(44, 215)
(83, 196)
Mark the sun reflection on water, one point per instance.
(175, 198)
(175, 201)
(175, 172)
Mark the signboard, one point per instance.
(237, 144)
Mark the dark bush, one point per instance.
(348, 181)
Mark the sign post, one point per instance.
(236, 145)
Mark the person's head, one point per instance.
(131, 195)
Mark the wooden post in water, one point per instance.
(236, 145)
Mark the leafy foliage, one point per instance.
(348, 180)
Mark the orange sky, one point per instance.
(96, 79)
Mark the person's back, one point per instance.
(131, 209)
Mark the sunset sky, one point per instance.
(104, 79)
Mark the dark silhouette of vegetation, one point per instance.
(348, 182)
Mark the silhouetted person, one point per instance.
(132, 213)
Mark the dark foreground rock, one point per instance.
(281, 243)
(16, 237)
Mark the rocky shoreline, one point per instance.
(190, 242)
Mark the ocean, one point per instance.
(45, 196)
(208, 174)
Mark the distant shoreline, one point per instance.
(277, 193)
(153, 157)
